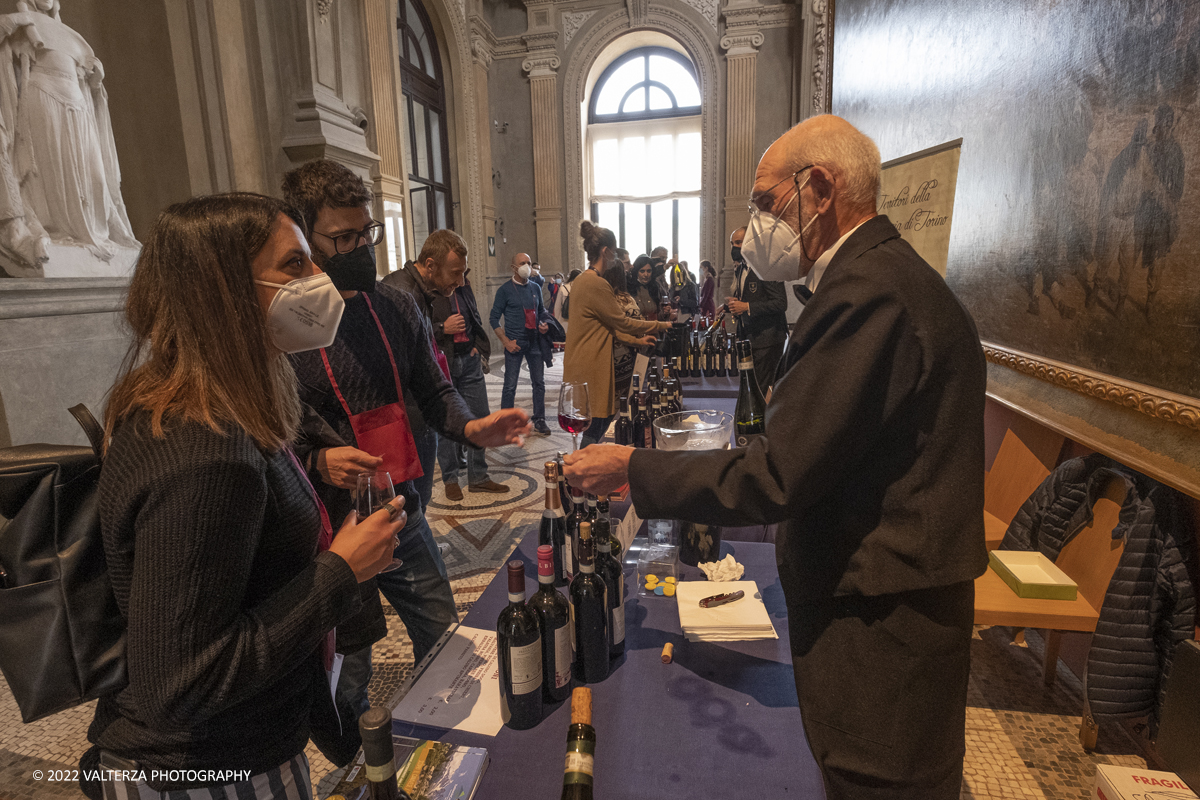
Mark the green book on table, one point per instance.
(426, 770)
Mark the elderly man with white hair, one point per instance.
(873, 463)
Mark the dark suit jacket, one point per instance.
(873, 454)
(766, 322)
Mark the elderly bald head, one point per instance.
(840, 148)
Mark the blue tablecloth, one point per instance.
(719, 723)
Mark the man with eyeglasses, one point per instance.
(377, 387)
(872, 461)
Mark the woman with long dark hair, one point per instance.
(221, 557)
(708, 286)
(596, 316)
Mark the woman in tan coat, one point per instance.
(596, 316)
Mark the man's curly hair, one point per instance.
(317, 184)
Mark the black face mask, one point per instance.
(353, 271)
(735, 253)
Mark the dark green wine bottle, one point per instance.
(749, 417)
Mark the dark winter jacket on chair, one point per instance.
(1150, 605)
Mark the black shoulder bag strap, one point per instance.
(92, 427)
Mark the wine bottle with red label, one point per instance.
(554, 622)
(519, 642)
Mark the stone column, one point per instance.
(741, 56)
(386, 104)
(482, 53)
(547, 211)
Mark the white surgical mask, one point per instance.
(524, 271)
(770, 246)
(305, 313)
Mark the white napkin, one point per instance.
(740, 620)
(724, 570)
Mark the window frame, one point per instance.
(645, 84)
(417, 87)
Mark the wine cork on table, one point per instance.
(581, 706)
(668, 653)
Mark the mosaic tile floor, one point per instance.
(1022, 737)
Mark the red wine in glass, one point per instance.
(573, 424)
(574, 414)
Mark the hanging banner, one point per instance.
(917, 194)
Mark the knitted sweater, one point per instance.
(212, 551)
(360, 365)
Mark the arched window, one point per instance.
(424, 93)
(644, 148)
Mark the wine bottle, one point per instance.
(697, 357)
(564, 495)
(710, 358)
(641, 417)
(623, 430)
(589, 610)
(749, 416)
(603, 512)
(578, 515)
(591, 510)
(730, 363)
(553, 530)
(554, 625)
(519, 642)
(609, 569)
(375, 725)
(581, 748)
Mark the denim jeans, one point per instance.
(351, 695)
(427, 450)
(532, 355)
(595, 432)
(467, 377)
(419, 590)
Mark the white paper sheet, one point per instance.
(460, 689)
(628, 528)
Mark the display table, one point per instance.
(720, 722)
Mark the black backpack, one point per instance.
(62, 637)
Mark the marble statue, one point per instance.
(60, 186)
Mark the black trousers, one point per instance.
(882, 683)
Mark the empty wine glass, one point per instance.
(374, 491)
(574, 415)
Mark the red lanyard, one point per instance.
(391, 358)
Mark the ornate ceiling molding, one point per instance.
(323, 9)
(573, 21)
(638, 9)
(483, 42)
(707, 9)
(1157, 403)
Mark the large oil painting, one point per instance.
(1076, 227)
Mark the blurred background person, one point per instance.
(598, 315)
(518, 305)
(463, 338)
(708, 288)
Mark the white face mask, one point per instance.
(305, 313)
(771, 248)
(524, 272)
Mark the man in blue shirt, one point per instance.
(519, 304)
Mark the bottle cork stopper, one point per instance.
(581, 706)
(668, 653)
(550, 469)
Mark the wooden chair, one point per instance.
(1090, 559)
(1025, 458)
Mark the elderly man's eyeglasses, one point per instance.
(764, 201)
(349, 241)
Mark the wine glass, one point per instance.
(375, 490)
(573, 414)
